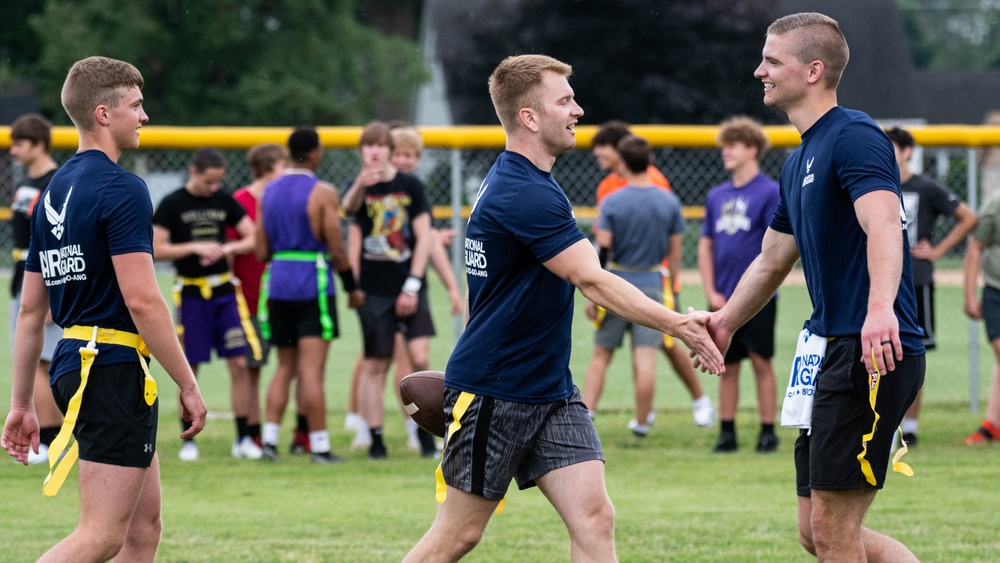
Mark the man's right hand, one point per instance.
(693, 331)
(20, 433)
(208, 252)
(194, 411)
(720, 337)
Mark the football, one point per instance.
(423, 398)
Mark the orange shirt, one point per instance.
(613, 182)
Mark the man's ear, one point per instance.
(816, 70)
(528, 118)
(102, 115)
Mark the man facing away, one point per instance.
(840, 211)
(925, 201)
(737, 213)
(640, 226)
(91, 257)
(511, 406)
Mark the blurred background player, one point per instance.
(640, 226)
(267, 161)
(189, 229)
(30, 141)
(925, 202)
(393, 222)
(407, 149)
(604, 149)
(299, 234)
(983, 253)
(737, 213)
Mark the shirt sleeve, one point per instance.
(864, 160)
(986, 228)
(541, 218)
(234, 211)
(126, 215)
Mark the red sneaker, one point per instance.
(986, 434)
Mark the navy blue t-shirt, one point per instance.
(92, 210)
(516, 346)
(843, 156)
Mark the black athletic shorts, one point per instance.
(292, 320)
(925, 313)
(497, 441)
(379, 323)
(757, 335)
(991, 312)
(115, 425)
(827, 459)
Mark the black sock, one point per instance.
(729, 426)
(47, 434)
(376, 435)
(241, 427)
(184, 427)
(767, 428)
(302, 425)
(253, 430)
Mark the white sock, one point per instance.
(702, 401)
(909, 426)
(361, 430)
(319, 441)
(411, 427)
(269, 433)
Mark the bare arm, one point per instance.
(966, 221)
(355, 196)
(879, 216)
(21, 431)
(262, 245)
(164, 250)
(354, 248)
(441, 264)
(578, 265)
(706, 267)
(247, 241)
(970, 269)
(674, 263)
(137, 281)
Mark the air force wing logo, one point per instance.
(57, 220)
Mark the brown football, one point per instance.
(423, 398)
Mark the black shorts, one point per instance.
(380, 324)
(756, 336)
(115, 425)
(502, 440)
(292, 320)
(925, 313)
(991, 312)
(828, 458)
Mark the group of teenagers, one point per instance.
(513, 411)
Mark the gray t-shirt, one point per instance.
(988, 233)
(641, 221)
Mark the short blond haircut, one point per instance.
(96, 81)
(742, 129)
(262, 158)
(514, 85)
(818, 38)
(408, 138)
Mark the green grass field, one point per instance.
(675, 500)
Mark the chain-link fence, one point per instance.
(692, 173)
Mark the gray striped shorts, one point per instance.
(502, 440)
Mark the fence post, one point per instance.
(972, 154)
(458, 241)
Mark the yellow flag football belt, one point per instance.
(62, 455)
(206, 285)
(866, 469)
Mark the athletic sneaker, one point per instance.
(246, 448)
(326, 458)
(269, 452)
(986, 434)
(726, 443)
(377, 451)
(189, 451)
(650, 419)
(767, 443)
(41, 457)
(704, 412)
(300, 443)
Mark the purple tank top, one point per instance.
(286, 223)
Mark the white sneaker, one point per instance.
(360, 444)
(650, 419)
(246, 448)
(412, 442)
(41, 457)
(704, 412)
(189, 451)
